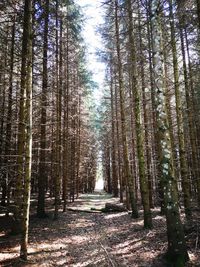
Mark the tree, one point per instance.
(139, 129)
(128, 176)
(181, 139)
(113, 141)
(25, 128)
(42, 179)
(177, 251)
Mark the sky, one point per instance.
(94, 17)
(93, 14)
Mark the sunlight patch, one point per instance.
(77, 239)
(127, 245)
(111, 216)
(112, 229)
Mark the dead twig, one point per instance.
(108, 257)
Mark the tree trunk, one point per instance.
(113, 140)
(2, 122)
(128, 176)
(21, 142)
(66, 123)
(179, 115)
(58, 116)
(121, 187)
(26, 84)
(139, 129)
(42, 179)
(177, 251)
(156, 147)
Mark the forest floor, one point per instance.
(80, 238)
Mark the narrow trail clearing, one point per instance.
(81, 239)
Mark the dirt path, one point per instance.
(81, 239)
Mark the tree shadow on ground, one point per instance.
(79, 239)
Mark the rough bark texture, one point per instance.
(139, 129)
(156, 148)
(191, 103)
(42, 178)
(58, 113)
(23, 118)
(113, 141)
(8, 130)
(66, 123)
(128, 176)
(177, 251)
(118, 144)
(179, 115)
(27, 67)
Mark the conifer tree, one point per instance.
(181, 139)
(139, 129)
(25, 130)
(177, 251)
(128, 176)
(42, 179)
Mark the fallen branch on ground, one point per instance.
(88, 211)
(109, 207)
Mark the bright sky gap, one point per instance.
(93, 18)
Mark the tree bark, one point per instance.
(42, 179)
(58, 113)
(177, 251)
(128, 176)
(139, 129)
(113, 140)
(26, 87)
(179, 115)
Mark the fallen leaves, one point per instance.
(81, 239)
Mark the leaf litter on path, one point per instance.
(80, 239)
